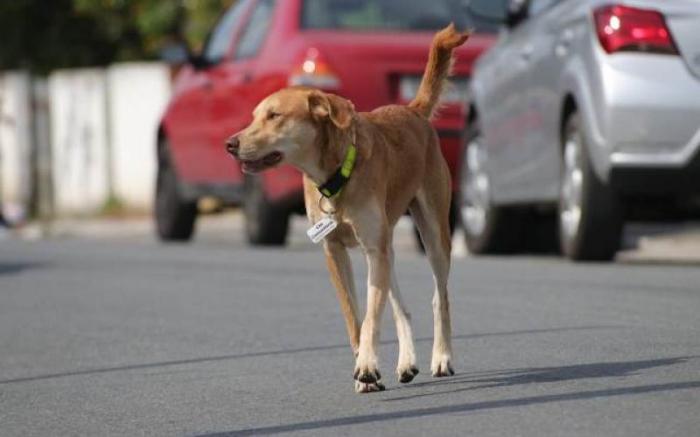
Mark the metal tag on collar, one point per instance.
(323, 227)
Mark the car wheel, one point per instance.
(175, 216)
(265, 223)
(489, 229)
(590, 218)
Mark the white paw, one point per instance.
(406, 372)
(366, 370)
(361, 387)
(442, 365)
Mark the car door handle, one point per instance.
(526, 53)
(247, 77)
(208, 85)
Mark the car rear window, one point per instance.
(397, 15)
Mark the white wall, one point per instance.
(138, 95)
(15, 145)
(103, 128)
(80, 167)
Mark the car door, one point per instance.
(203, 158)
(186, 121)
(503, 112)
(548, 41)
(236, 85)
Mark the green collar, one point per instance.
(335, 183)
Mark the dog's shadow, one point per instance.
(535, 375)
(491, 379)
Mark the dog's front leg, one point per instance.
(340, 268)
(372, 232)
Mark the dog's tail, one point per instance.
(437, 70)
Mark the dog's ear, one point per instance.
(338, 110)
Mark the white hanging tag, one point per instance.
(321, 229)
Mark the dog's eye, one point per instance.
(273, 115)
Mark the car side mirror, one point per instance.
(517, 12)
(175, 53)
(179, 53)
(199, 62)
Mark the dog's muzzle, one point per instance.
(233, 146)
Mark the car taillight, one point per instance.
(314, 71)
(623, 28)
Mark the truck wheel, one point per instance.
(175, 216)
(489, 229)
(590, 217)
(265, 223)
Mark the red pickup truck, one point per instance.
(372, 52)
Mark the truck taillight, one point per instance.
(623, 28)
(313, 71)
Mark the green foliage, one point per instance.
(40, 35)
(201, 17)
(113, 207)
(44, 35)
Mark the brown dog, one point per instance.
(373, 167)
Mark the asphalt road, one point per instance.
(130, 338)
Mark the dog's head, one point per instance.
(286, 127)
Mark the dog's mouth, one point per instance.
(258, 165)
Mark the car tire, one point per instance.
(175, 216)
(266, 224)
(589, 214)
(489, 229)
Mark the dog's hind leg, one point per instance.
(340, 268)
(430, 210)
(406, 368)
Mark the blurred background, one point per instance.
(149, 287)
(64, 66)
(118, 109)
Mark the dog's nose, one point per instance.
(233, 145)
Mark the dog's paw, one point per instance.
(361, 387)
(442, 366)
(406, 374)
(367, 374)
(366, 371)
